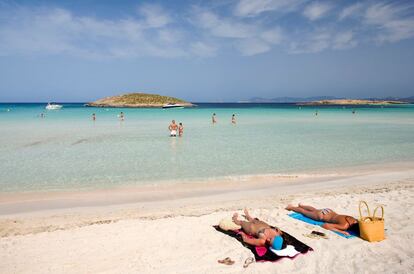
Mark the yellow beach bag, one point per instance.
(371, 228)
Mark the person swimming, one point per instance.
(333, 221)
(180, 129)
(263, 233)
(173, 128)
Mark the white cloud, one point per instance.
(249, 38)
(154, 16)
(170, 36)
(58, 31)
(272, 36)
(202, 49)
(381, 13)
(222, 27)
(151, 30)
(251, 8)
(313, 42)
(250, 47)
(344, 40)
(351, 11)
(316, 10)
(393, 22)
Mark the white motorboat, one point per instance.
(172, 106)
(51, 106)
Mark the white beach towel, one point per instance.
(289, 251)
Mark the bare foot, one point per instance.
(289, 207)
(247, 215)
(235, 218)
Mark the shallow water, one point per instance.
(67, 150)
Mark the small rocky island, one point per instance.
(351, 102)
(138, 100)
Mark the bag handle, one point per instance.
(375, 210)
(366, 205)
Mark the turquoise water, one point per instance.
(67, 150)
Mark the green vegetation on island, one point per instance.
(138, 100)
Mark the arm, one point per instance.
(336, 227)
(253, 241)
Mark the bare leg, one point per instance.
(307, 207)
(313, 214)
(247, 215)
(236, 220)
(252, 220)
(247, 227)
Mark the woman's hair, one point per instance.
(354, 228)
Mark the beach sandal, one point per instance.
(248, 262)
(320, 234)
(316, 235)
(312, 236)
(226, 261)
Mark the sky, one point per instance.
(205, 51)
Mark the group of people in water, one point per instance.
(267, 235)
(214, 119)
(121, 117)
(173, 128)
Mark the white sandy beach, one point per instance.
(175, 234)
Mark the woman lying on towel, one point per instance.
(333, 221)
(264, 234)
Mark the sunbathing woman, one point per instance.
(263, 233)
(333, 221)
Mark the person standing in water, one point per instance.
(180, 129)
(214, 119)
(93, 117)
(233, 119)
(121, 116)
(173, 128)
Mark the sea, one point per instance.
(67, 150)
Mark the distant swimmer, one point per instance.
(42, 115)
(180, 129)
(316, 113)
(214, 118)
(173, 129)
(233, 119)
(121, 116)
(93, 117)
(353, 111)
